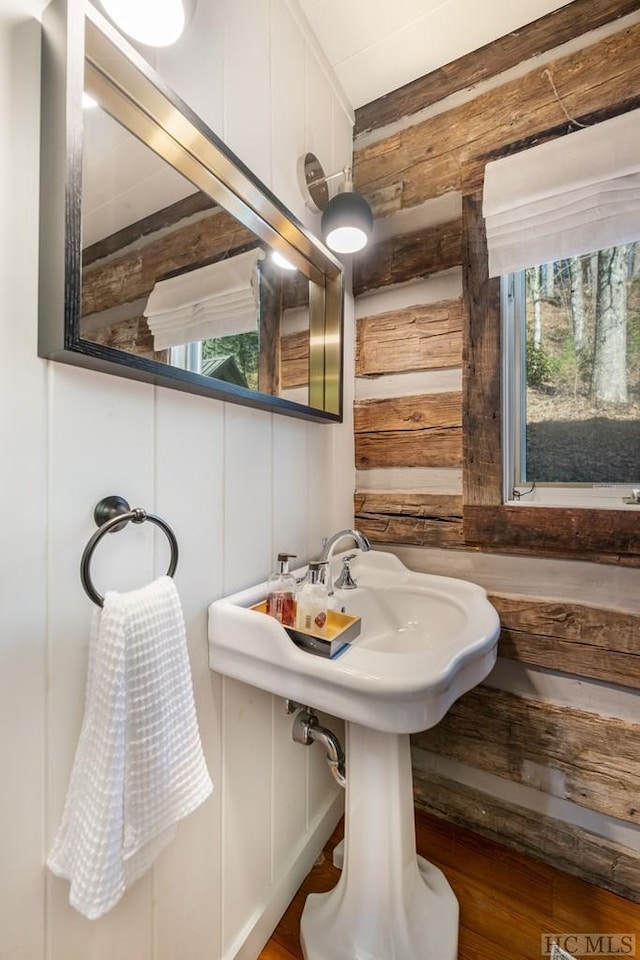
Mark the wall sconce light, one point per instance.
(155, 23)
(347, 220)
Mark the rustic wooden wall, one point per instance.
(132, 272)
(410, 429)
(133, 336)
(489, 61)
(433, 157)
(447, 152)
(120, 272)
(580, 755)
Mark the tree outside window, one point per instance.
(582, 330)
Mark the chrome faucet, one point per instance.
(329, 546)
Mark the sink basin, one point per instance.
(425, 640)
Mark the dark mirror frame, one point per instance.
(80, 46)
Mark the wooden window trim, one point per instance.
(605, 535)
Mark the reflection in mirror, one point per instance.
(167, 274)
(162, 257)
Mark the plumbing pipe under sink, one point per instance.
(307, 730)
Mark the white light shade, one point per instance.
(346, 239)
(156, 23)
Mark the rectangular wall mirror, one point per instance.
(163, 258)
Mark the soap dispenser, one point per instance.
(313, 599)
(281, 592)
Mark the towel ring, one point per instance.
(112, 514)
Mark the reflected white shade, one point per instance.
(281, 261)
(156, 23)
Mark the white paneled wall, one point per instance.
(23, 513)
(237, 485)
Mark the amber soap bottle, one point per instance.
(281, 592)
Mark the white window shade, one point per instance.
(218, 300)
(577, 194)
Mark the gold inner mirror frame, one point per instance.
(82, 52)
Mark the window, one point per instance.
(233, 358)
(570, 375)
(547, 204)
(571, 379)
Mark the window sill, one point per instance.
(572, 502)
(606, 534)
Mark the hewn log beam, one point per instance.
(434, 447)
(167, 217)
(572, 20)
(419, 431)
(295, 291)
(414, 414)
(131, 335)
(574, 638)
(423, 337)
(294, 360)
(563, 845)
(481, 417)
(270, 319)
(418, 518)
(550, 529)
(401, 503)
(590, 759)
(408, 256)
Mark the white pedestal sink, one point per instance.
(425, 641)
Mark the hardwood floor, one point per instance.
(508, 901)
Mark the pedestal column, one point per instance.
(389, 904)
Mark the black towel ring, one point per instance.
(111, 514)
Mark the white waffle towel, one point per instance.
(139, 766)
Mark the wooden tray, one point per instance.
(327, 641)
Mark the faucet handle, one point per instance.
(345, 580)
